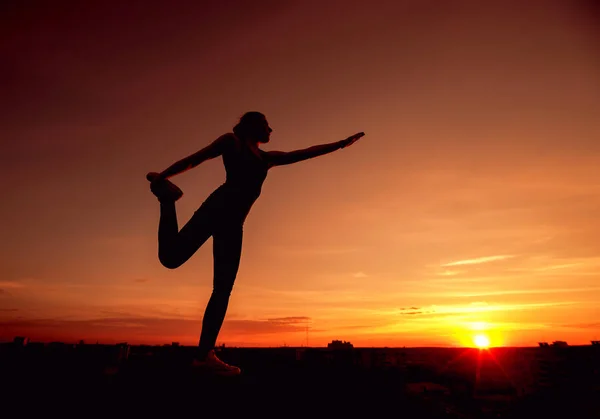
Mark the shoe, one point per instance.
(164, 190)
(214, 365)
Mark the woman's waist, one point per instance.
(242, 189)
(235, 193)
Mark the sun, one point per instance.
(481, 341)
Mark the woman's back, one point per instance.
(245, 169)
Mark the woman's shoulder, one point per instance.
(230, 142)
(228, 137)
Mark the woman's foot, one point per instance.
(214, 365)
(164, 190)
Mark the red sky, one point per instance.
(472, 203)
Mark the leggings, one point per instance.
(176, 247)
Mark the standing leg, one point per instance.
(227, 250)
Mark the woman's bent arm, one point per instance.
(211, 151)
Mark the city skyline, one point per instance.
(469, 209)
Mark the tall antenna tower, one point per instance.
(307, 334)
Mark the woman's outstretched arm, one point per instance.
(211, 151)
(280, 158)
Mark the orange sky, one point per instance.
(472, 203)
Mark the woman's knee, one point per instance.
(169, 259)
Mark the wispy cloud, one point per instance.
(487, 293)
(358, 326)
(11, 284)
(560, 266)
(145, 329)
(547, 264)
(447, 272)
(483, 307)
(414, 311)
(475, 307)
(313, 250)
(476, 261)
(290, 320)
(583, 325)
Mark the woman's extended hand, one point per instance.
(352, 139)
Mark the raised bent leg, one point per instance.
(176, 247)
(227, 251)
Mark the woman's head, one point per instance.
(253, 126)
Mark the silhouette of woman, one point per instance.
(222, 215)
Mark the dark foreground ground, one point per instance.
(273, 384)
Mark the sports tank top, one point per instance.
(245, 170)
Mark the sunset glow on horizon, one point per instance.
(481, 341)
(467, 215)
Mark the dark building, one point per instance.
(338, 344)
